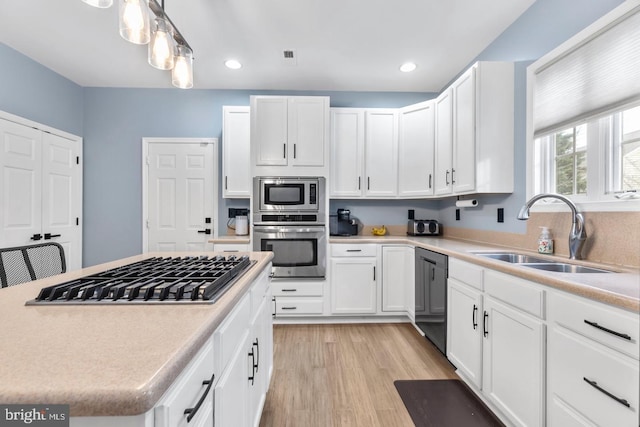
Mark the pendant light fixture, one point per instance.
(167, 50)
(162, 46)
(134, 21)
(102, 4)
(182, 73)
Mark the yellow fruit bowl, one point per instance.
(379, 231)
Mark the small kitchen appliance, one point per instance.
(342, 224)
(424, 227)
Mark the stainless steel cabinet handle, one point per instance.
(289, 290)
(368, 183)
(453, 180)
(354, 250)
(446, 178)
(359, 183)
(374, 273)
(429, 181)
(612, 332)
(611, 395)
(284, 151)
(294, 151)
(289, 308)
(226, 182)
(191, 412)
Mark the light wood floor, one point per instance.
(342, 375)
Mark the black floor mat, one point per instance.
(444, 403)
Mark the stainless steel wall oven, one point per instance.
(289, 217)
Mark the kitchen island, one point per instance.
(108, 360)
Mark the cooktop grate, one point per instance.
(154, 280)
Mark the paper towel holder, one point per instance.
(469, 203)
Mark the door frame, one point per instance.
(145, 180)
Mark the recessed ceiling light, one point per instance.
(408, 67)
(233, 64)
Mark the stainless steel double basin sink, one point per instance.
(540, 263)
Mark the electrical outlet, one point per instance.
(500, 214)
(457, 214)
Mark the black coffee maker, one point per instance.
(342, 224)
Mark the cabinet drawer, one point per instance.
(515, 291)
(604, 324)
(186, 391)
(575, 360)
(303, 289)
(231, 332)
(230, 247)
(289, 306)
(353, 250)
(466, 272)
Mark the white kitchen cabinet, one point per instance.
(593, 369)
(41, 188)
(464, 347)
(231, 392)
(289, 133)
(190, 391)
(443, 143)
(381, 153)
(513, 362)
(236, 170)
(416, 149)
(397, 278)
(353, 279)
(474, 132)
(347, 152)
(364, 153)
(258, 363)
(496, 340)
(295, 298)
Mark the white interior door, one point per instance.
(20, 182)
(181, 202)
(61, 196)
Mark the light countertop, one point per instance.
(103, 360)
(621, 289)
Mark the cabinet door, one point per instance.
(416, 150)
(463, 172)
(347, 152)
(231, 392)
(269, 118)
(381, 153)
(443, 143)
(394, 278)
(353, 285)
(464, 330)
(306, 130)
(257, 366)
(235, 152)
(513, 357)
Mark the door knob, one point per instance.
(48, 236)
(205, 231)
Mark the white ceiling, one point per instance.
(352, 45)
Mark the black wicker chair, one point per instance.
(25, 263)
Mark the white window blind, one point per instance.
(599, 74)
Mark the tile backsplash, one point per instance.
(612, 237)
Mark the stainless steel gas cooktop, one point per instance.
(157, 280)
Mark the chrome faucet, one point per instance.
(577, 235)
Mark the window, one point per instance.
(577, 160)
(583, 115)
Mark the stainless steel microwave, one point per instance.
(279, 200)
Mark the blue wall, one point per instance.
(113, 122)
(32, 91)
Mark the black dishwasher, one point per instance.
(431, 296)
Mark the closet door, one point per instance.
(20, 184)
(62, 196)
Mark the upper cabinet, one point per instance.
(289, 134)
(236, 163)
(474, 132)
(364, 153)
(416, 150)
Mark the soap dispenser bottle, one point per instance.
(545, 242)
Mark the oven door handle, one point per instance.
(288, 229)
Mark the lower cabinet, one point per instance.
(398, 277)
(353, 279)
(593, 369)
(298, 298)
(231, 390)
(496, 340)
